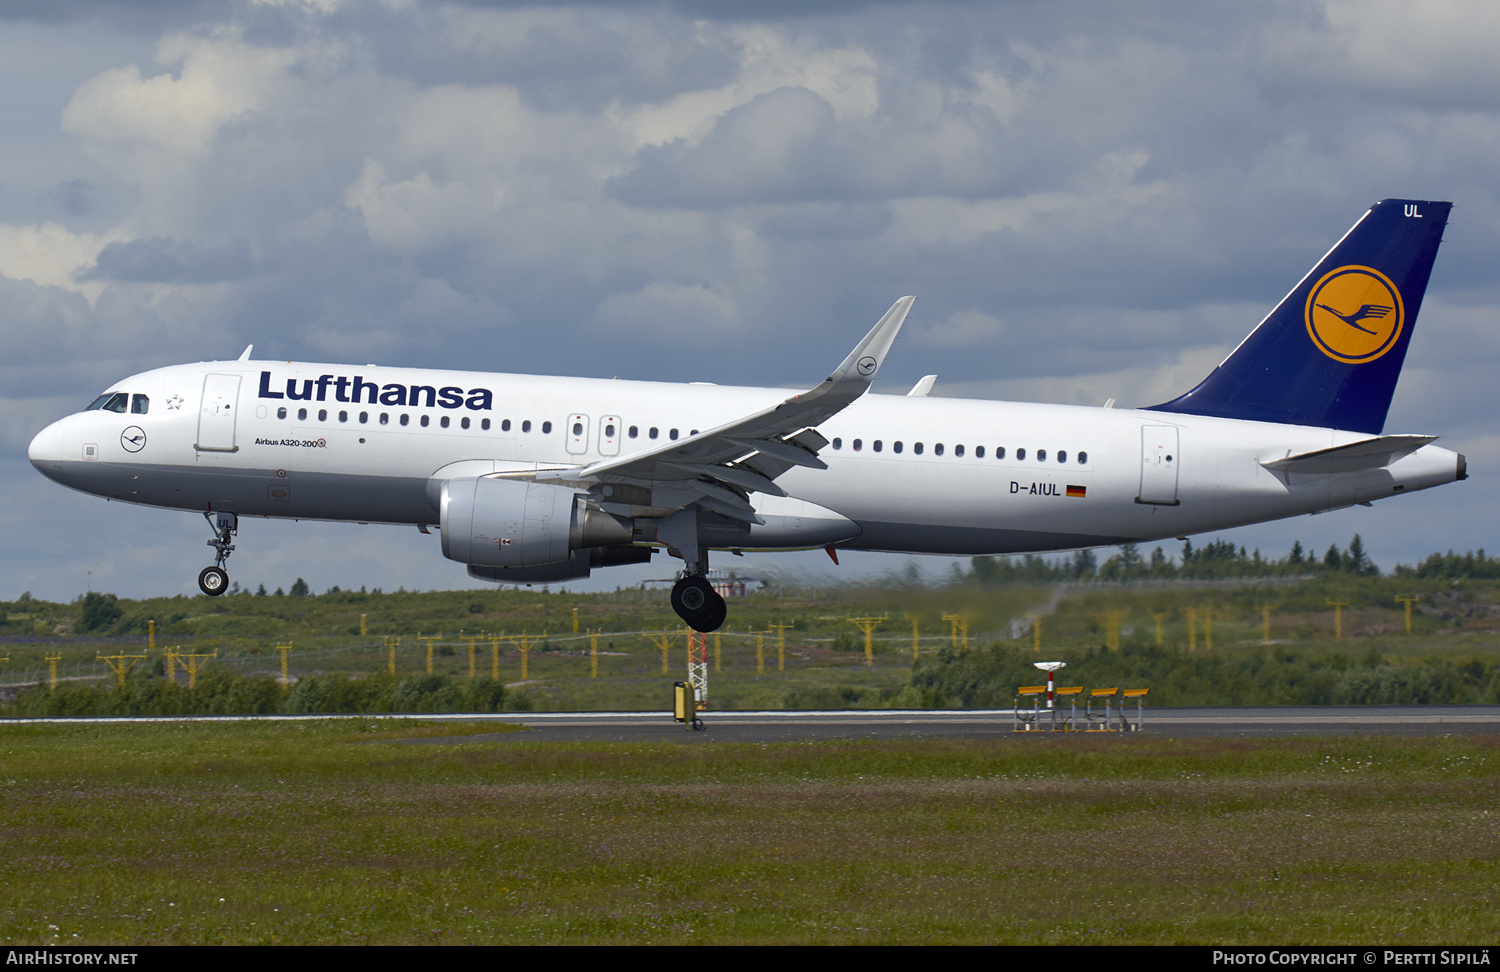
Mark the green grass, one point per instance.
(339, 831)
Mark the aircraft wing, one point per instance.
(717, 468)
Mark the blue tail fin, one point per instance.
(1330, 353)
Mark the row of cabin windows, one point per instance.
(120, 402)
(384, 418)
(464, 422)
(958, 451)
(634, 432)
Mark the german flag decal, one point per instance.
(1079, 491)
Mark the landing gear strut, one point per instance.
(693, 597)
(697, 603)
(214, 580)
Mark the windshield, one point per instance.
(110, 402)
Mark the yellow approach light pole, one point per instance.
(868, 626)
(1407, 601)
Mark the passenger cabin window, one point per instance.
(484, 424)
(896, 447)
(546, 428)
(281, 412)
(443, 421)
(424, 421)
(302, 415)
(1041, 455)
(1020, 453)
(1083, 457)
(505, 425)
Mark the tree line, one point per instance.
(1215, 560)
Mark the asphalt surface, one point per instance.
(809, 726)
(800, 726)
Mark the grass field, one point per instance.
(344, 831)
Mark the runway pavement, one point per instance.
(800, 726)
(808, 726)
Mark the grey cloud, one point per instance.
(77, 197)
(559, 59)
(172, 261)
(133, 15)
(775, 148)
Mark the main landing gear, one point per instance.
(214, 580)
(697, 603)
(693, 597)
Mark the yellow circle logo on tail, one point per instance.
(1355, 314)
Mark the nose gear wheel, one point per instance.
(214, 580)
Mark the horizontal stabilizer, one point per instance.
(1367, 454)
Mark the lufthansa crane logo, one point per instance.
(133, 439)
(1355, 314)
(866, 365)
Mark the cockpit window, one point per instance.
(112, 402)
(139, 404)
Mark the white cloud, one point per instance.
(177, 117)
(51, 255)
(687, 312)
(770, 58)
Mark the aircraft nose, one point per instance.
(47, 447)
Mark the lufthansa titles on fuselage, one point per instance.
(356, 389)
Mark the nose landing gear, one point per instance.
(214, 580)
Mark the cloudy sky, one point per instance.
(1093, 200)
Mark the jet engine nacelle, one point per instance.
(513, 523)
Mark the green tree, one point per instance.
(99, 611)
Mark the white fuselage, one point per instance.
(950, 476)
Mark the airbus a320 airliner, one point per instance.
(531, 479)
